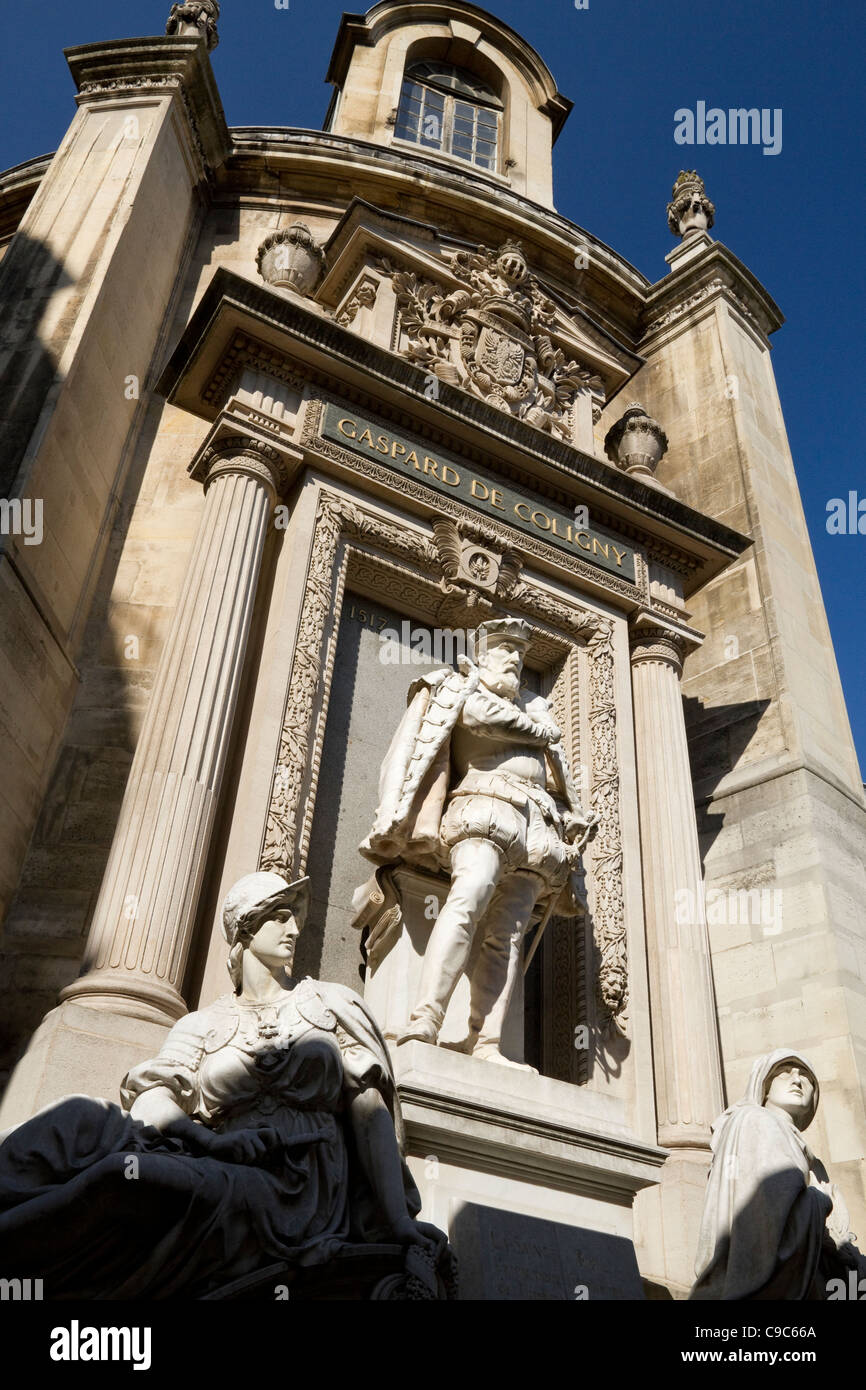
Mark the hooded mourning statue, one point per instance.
(774, 1226)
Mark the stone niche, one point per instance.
(379, 652)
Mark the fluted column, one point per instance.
(686, 1062)
(140, 936)
(688, 1072)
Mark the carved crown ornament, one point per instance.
(493, 336)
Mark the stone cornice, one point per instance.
(108, 71)
(312, 164)
(534, 1133)
(713, 271)
(340, 359)
(17, 188)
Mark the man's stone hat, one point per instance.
(503, 630)
(255, 894)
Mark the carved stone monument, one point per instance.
(774, 1225)
(381, 395)
(197, 19)
(476, 777)
(264, 1138)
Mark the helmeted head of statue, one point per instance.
(263, 903)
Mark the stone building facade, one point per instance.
(283, 393)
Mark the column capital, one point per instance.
(657, 644)
(242, 453)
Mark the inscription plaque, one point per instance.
(506, 1256)
(489, 494)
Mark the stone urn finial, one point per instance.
(291, 259)
(690, 210)
(198, 19)
(637, 444)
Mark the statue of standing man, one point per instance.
(476, 779)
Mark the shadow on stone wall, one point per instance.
(30, 277)
(45, 930)
(718, 736)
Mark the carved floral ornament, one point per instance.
(341, 525)
(198, 18)
(473, 569)
(690, 210)
(492, 336)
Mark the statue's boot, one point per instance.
(419, 1030)
(489, 1052)
(476, 864)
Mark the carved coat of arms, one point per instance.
(492, 336)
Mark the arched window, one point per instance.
(446, 108)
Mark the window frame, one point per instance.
(490, 106)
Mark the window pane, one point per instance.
(449, 78)
(420, 115)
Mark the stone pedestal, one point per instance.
(688, 1077)
(393, 981)
(77, 1050)
(533, 1179)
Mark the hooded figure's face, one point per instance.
(792, 1089)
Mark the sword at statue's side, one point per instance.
(591, 827)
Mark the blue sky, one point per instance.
(796, 219)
